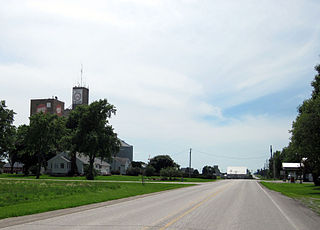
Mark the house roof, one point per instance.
(97, 160)
(291, 165)
(15, 165)
(121, 160)
(124, 144)
(236, 170)
(84, 159)
(66, 159)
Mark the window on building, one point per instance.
(62, 165)
(56, 165)
(48, 104)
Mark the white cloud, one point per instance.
(170, 67)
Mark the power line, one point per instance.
(229, 157)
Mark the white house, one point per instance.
(120, 164)
(61, 164)
(236, 172)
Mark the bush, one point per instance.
(170, 173)
(208, 176)
(133, 171)
(115, 172)
(149, 171)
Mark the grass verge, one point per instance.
(308, 194)
(21, 197)
(107, 178)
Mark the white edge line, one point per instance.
(282, 212)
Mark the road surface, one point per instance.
(226, 204)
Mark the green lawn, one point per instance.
(109, 178)
(306, 193)
(23, 197)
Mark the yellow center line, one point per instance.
(194, 205)
(190, 210)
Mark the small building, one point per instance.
(17, 167)
(236, 172)
(51, 105)
(119, 165)
(292, 170)
(80, 96)
(126, 150)
(61, 165)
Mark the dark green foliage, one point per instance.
(133, 171)
(149, 171)
(7, 130)
(162, 161)
(137, 164)
(170, 173)
(92, 135)
(305, 140)
(195, 173)
(278, 157)
(208, 170)
(306, 130)
(44, 137)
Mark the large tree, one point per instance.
(71, 139)
(22, 146)
(94, 136)
(162, 161)
(306, 130)
(44, 136)
(7, 130)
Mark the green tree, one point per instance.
(137, 164)
(162, 161)
(94, 136)
(195, 173)
(149, 171)
(207, 170)
(169, 173)
(278, 157)
(7, 130)
(22, 146)
(71, 138)
(306, 130)
(44, 136)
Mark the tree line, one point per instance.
(304, 145)
(165, 167)
(86, 130)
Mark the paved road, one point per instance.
(227, 204)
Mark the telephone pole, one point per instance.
(190, 163)
(273, 163)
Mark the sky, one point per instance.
(224, 78)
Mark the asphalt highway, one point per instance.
(226, 204)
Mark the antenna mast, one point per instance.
(81, 74)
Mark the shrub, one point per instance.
(149, 171)
(170, 173)
(133, 171)
(208, 176)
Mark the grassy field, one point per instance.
(23, 197)
(108, 178)
(306, 193)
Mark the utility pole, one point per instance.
(190, 164)
(273, 163)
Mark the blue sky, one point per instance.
(224, 78)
